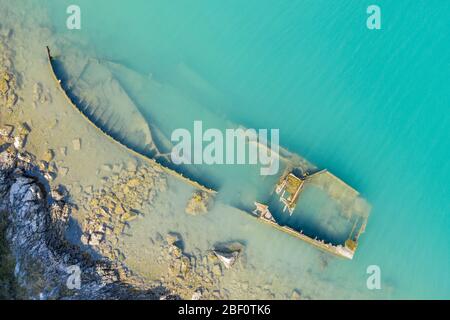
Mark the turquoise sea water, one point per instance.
(371, 106)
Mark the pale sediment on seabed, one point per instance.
(108, 190)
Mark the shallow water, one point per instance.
(371, 106)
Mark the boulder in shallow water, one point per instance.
(174, 239)
(296, 295)
(48, 155)
(199, 203)
(228, 253)
(227, 258)
(76, 143)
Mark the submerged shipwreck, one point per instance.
(339, 215)
(350, 207)
(95, 114)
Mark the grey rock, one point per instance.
(228, 259)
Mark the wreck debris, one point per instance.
(353, 207)
(289, 189)
(262, 211)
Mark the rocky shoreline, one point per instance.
(36, 214)
(35, 232)
(37, 220)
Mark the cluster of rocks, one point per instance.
(200, 203)
(181, 262)
(8, 82)
(37, 223)
(40, 95)
(15, 139)
(127, 192)
(121, 199)
(7, 92)
(195, 275)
